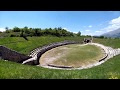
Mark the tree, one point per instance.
(12, 35)
(16, 29)
(26, 30)
(59, 28)
(6, 28)
(37, 31)
(79, 33)
(21, 34)
(101, 37)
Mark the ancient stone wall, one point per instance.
(11, 55)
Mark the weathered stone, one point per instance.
(11, 55)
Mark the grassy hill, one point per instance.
(108, 70)
(23, 46)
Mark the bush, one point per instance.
(12, 35)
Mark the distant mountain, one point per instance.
(114, 34)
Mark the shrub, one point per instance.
(12, 35)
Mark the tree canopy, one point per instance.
(40, 32)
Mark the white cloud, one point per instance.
(100, 24)
(88, 34)
(98, 31)
(87, 30)
(92, 32)
(2, 29)
(75, 32)
(66, 29)
(115, 21)
(113, 25)
(90, 26)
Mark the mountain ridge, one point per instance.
(113, 34)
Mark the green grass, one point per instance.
(73, 55)
(108, 70)
(21, 45)
(114, 43)
(11, 70)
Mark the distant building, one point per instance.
(88, 40)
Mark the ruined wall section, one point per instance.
(12, 55)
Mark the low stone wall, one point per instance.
(51, 65)
(106, 55)
(11, 55)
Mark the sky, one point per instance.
(87, 22)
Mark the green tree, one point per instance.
(26, 30)
(37, 32)
(79, 33)
(16, 29)
(6, 28)
(101, 37)
(21, 34)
